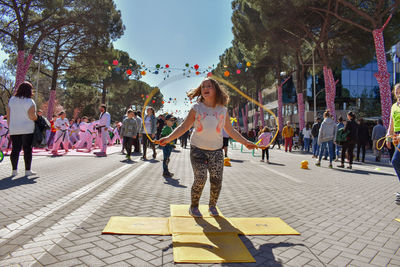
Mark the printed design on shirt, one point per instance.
(220, 125)
(396, 117)
(219, 116)
(199, 126)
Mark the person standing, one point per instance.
(277, 139)
(136, 142)
(378, 132)
(102, 128)
(314, 133)
(160, 125)
(340, 125)
(265, 138)
(53, 131)
(307, 137)
(348, 146)
(61, 136)
(129, 130)
(363, 139)
(21, 117)
(326, 138)
(150, 122)
(287, 135)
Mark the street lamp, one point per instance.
(313, 66)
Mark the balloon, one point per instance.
(237, 71)
(225, 66)
(226, 73)
(175, 99)
(115, 62)
(170, 98)
(196, 67)
(162, 102)
(158, 66)
(143, 73)
(154, 101)
(167, 66)
(187, 64)
(248, 64)
(106, 62)
(156, 72)
(209, 74)
(239, 65)
(142, 95)
(147, 96)
(129, 72)
(197, 72)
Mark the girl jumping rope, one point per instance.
(209, 116)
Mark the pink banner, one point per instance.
(261, 110)
(383, 76)
(330, 90)
(300, 105)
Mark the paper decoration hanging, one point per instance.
(226, 73)
(196, 67)
(115, 62)
(129, 72)
(237, 71)
(167, 66)
(248, 64)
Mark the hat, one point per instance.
(168, 117)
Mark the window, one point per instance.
(353, 77)
(360, 77)
(345, 78)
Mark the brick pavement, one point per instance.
(346, 218)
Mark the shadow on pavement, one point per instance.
(173, 182)
(128, 161)
(277, 164)
(237, 160)
(363, 172)
(8, 182)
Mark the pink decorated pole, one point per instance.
(22, 67)
(244, 120)
(261, 110)
(383, 76)
(52, 100)
(330, 90)
(255, 119)
(246, 115)
(300, 105)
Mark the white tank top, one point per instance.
(208, 126)
(19, 119)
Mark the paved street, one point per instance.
(346, 218)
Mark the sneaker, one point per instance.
(14, 173)
(195, 212)
(168, 174)
(262, 160)
(268, 161)
(318, 164)
(340, 166)
(330, 166)
(144, 158)
(213, 211)
(30, 173)
(349, 167)
(397, 198)
(128, 158)
(101, 154)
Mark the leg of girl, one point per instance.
(396, 166)
(199, 161)
(267, 152)
(215, 168)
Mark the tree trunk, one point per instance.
(261, 109)
(330, 90)
(104, 94)
(382, 76)
(22, 67)
(299, 91)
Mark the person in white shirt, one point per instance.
(104, 124)
(307, 137)
(21, 117)
(61, 136)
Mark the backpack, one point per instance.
(341, 136)
(315, 130)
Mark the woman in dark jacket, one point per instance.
(363, 139)
(352, 136)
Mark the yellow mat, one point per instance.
(137, 226)
(183, 211)
(398, 220)
(186, 225)
(262, 226)
(210, 248)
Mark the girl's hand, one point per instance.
(163, 141)
(250, 145)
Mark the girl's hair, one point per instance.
(129, 111)
(327, 114)
(397, 85)
(152, 110)
(25, 90)
(266, 130)
(221, 98)
(61, 113)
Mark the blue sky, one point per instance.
(175, 32)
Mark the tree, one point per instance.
(373, 17)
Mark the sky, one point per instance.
(175, 32)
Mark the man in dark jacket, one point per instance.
(352, 136)
(314, 133)
(363, 139)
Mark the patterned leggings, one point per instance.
(203, 160)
